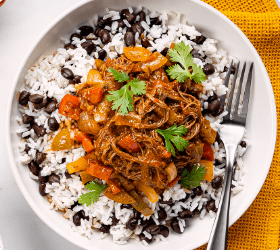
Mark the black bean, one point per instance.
(26, 119)
(42, 179)
(146, 223)
(137, 214)
(212, 98)
(142, 16)
(63, 160)
(105, 36)
(132, 224)
(76, 203)
(164, 51)
(169, 202)
(27, 148)
(67, 73)
(145, 42)
(153, 229)
(164, 231)
(98, 32)
(217, 182)
(51, 107)
(130, 17)
(221, 110)
(211, 206)
(75, 35)
(155, 21)
(114, 220)
(53, 178)
(42, 189)
(208, 69)
(34, 168)
(198, 191)
(69, 46)
(162, 214)
(137, 28)
(143, 237)
(101, 23)
(76, 80)
(199, 39)
(85, 30)
(41, 105)
(23, 98)
(102, 54)
(39, 157)
(77, 219)
(214, 106)
(175, 226)
(243, 144)
(53, 124)
(127, 206)
(36, 98)
(89, 46)
(120, 23)
(185, 214)
(105, 228)
(39, 130)
(83, 215)
(67, 175)
(233, 69)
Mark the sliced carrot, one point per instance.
(93, 95)
(172, 183)
(129, 144)
(209, 169)
(139, 54)
(70, 106)
(98, 169)
(114, 187)
(207, 152)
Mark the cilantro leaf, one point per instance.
(181, 54)
(92, 197)
(174, 134)
(123, 98)
(193, 178)
(119, 76)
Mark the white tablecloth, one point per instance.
(21, 22)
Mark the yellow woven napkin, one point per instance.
(259, 227)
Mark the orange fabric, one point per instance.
(258, 228)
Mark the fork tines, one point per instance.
(239, 118)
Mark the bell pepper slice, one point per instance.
(139, 54)
(98, 63)
(70, 106)
(172, 183)
(208, 168)
(85, 140)
(62, 141)
(98, 169)
(121, 197)
(129, 144)
(140, 205)
(78, 165)
(114, 187)
(147, 190)
(94, 77)
(171, 171)
(93, 95)
(207, 152)
(85, 177)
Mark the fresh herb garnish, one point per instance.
(181, 54)
(123, 98)
(93, 196)
(174, 134)
(193, 178)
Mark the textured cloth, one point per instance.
(258, 228)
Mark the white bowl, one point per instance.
(261, 125)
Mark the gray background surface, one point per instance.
(21, 22)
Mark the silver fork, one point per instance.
(231, 134)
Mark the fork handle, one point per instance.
(219, 233)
